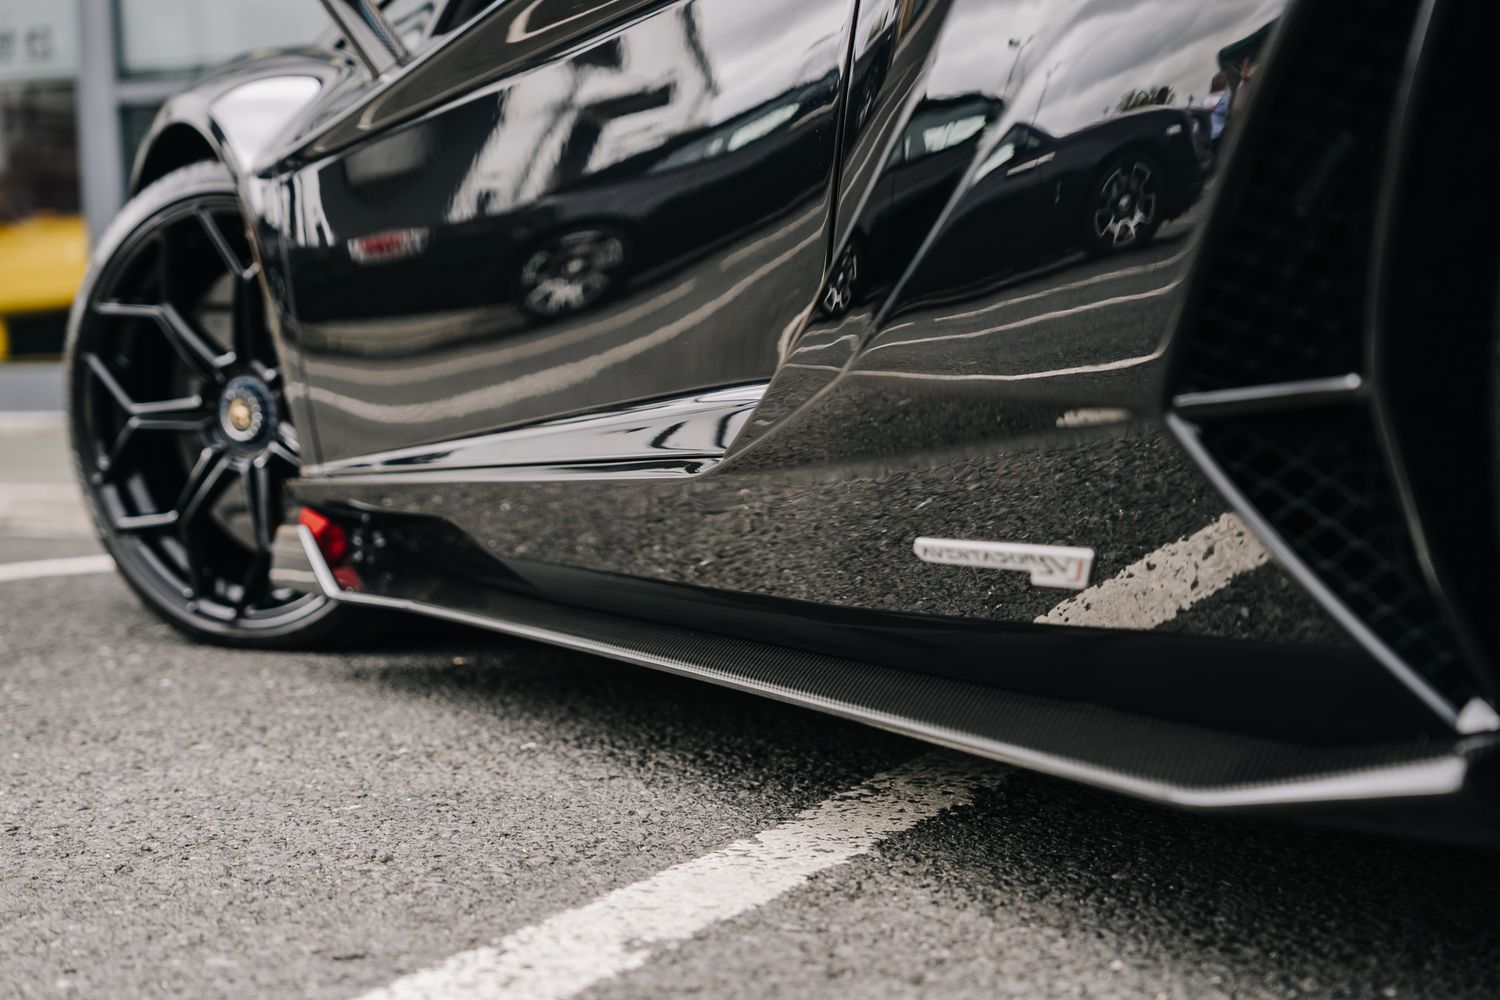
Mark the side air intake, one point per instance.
(1281, 382)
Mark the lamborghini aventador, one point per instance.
(925, 362)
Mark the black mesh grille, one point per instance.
(1281, 298)
(1319, 480)
(1282, 295)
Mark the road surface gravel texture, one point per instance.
(492, 817)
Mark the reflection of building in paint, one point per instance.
(609, 107)
(80, 82)
(43, 246)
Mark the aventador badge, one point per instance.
(1049, 565)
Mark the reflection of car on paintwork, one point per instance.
(1121, 179)
(932, 153)
(1105, 189)
(642, 217)
(629, 223)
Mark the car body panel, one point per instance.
(570, 229)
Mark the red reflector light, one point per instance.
(332, 541)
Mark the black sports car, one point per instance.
(917, 361)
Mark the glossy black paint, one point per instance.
(562, 236)
(509, 275)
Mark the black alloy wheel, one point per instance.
(1126, 209)
(180, 428)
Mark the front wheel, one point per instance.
(180, 427)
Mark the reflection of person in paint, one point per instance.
(1247, 72)
(1217, 105)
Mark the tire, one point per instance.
(180, 435)
(1125, 204)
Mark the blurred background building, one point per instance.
(80, 81)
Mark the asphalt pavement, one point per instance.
(183, 821)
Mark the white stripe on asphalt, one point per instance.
(1166, 583)
(574, 950)
(80, 566)
(43, 510)
(27, 421)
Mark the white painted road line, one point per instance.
(30, 421)
(1166, 583)
(40, 570)
(572, 951)
(43, 510)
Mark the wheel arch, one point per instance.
(172, 145)
(245, 115)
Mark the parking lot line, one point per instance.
(27, 421)
(43, 568)
(574, 950)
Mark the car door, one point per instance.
(563, 206)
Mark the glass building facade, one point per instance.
(80, 82)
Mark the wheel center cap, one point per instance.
(247, 413)
(240, 414)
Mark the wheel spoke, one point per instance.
(253, 584)
(195, 350)
(184, 423)
(278, 451)
(178, 416)
(175, 416)
(141, 523)
(190, 345)
(111, 384)
(260, 499)
(186, 413)
(239, 269)
(248, 321)
(205, 483)
(128, 310)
